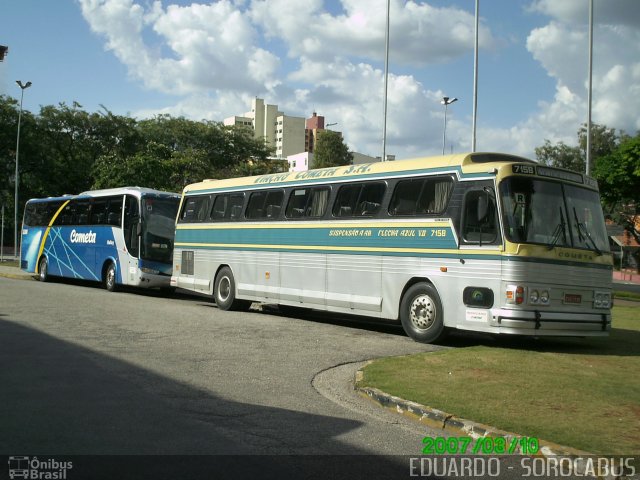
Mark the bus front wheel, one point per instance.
(110, 278)
(225, 292)
(43, 274)
(421, 313)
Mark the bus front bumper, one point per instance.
(150, 280)
(544, 323)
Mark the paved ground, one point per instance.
(89, 372)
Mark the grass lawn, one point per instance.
(582, 393)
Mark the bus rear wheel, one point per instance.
(421, 313)
(225, 292)
(109, 279)
(43, 274)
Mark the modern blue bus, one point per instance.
(120, 236)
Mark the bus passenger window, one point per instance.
(307, 202)
(423, 196)
(195, 209)
(114, 213)
(362, 199)
(98, 215)
(265, 204)
(227, 206)
(82, 213)
(131, 219)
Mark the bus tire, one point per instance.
(110, 278)
(43, 273)
(421, 313)
(225, 292)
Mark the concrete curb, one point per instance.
(15, 273)
(453, 425)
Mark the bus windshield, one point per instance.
(552, 214)
(158, 228)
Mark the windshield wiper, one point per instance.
(587, 235)
(560, 230)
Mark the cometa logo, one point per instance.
(89, 237)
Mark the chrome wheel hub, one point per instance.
(422, 312)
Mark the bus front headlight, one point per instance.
(602, 300)
(544, 297)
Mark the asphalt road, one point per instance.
(87, 372)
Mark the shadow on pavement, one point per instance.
(58, 398)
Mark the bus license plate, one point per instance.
(572, 298)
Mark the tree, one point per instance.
(560, 155)
(149, 168)
(618, 173)
(330, 150)
(603, 141)
(618, 176)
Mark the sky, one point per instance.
(209, 60)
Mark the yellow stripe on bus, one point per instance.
(46, 234)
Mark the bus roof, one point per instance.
(136, 191)
(467, 163)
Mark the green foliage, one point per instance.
(65, 149)
(561, 156)
(618, 173)
(603, 141)
(331, 151)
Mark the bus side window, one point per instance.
(81, 216)
(219, 207)
(114, 212)
(98, 212)
(346, 200)
(195, 209)
(479, 218)
(131, 219)
(265, 204)
(370, 199)
(426, 196)
(319, 202)
(362, 199)
(227, 206)
(405, 197)
(297, 202)
(48, 211)
(66, 216)
(236, 201)
(32, 214)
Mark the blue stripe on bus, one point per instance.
(327, 237)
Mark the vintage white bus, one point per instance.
(484, 242)
(118, 236)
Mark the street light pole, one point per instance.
(590, 89)
(446, 101)
(386, 78)
(2, 237)
(475, 82)
(15, 218)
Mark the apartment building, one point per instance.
(283, 132)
